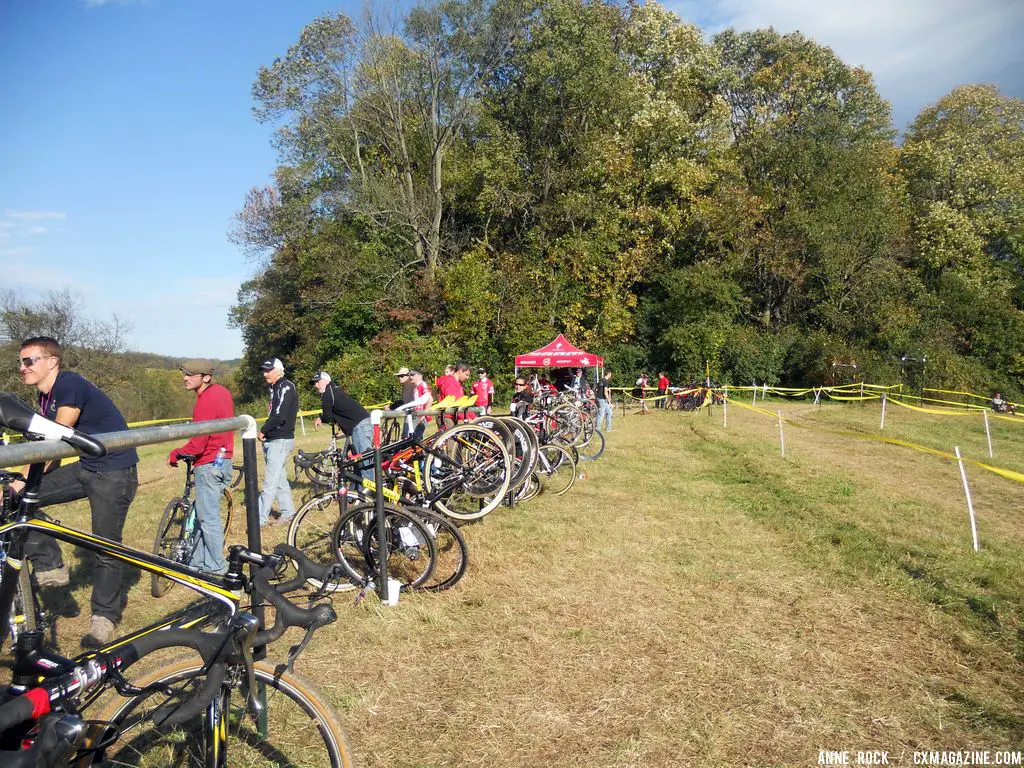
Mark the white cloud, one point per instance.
(36, 231)
(918, 50)
(22, 216)
(99, 3)
(23, 271)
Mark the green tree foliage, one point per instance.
(468, 179)
(963, 159)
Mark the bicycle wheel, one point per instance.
(310, 532)
(411, 548)
(300, 728)
(593, 448)
(170, 541)
(468, 472)
(529, 489)
(452, 551)
(557, 469)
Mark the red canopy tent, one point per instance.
(558, 354)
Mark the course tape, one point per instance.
(937, 411)
(1009, 474)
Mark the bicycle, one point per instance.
(182, 714)
(28, 613)
(178, 535)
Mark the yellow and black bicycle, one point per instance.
(217, 707)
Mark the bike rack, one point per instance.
(48, 450)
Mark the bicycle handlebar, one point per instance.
(215, 648)
(18, 415)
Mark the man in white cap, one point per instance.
(404, 376)
(278, 436)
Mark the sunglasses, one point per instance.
(28, 362)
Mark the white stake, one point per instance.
(782, 439)
(882, 425)
(970, 505)
(753, 400)
(817, 396)
(302, 423)
(725, 412)
(988, 435)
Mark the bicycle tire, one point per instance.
(170, 534)
(310, 532)
(527, 441)
(451, 550)
(411, 548)
(480, 471)
(518, 446)
(302, 728)
(593, 448)
(25, 601)
(557, 469)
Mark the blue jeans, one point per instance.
(604, 415)
(275, 480)
(362, 441)
(110, 493)
(210, 484)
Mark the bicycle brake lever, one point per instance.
(296, 650)
(248, 632)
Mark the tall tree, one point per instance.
(814, 140)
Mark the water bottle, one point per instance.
(190, 520)
(219, 460)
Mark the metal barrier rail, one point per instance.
(47, 450)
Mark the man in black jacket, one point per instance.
(339, 407)
(278, 436)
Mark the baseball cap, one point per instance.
(320, 376)
(403, 371)
(194, 367)
(268, 365)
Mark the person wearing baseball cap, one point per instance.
(278, 436)
(339, 407)
(408, 388)
(213, 462)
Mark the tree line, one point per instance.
(461, 181)
(144, 386)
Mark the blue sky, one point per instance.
(128, 141)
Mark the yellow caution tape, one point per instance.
(1002, 472)
(937, 411)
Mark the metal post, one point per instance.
(254, 539)
(970, 505)
(378, 502)
(782, 439)
(988, 435)
(882, 424)
(753, 400)
(725, 411)
(302, 424)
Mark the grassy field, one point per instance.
(695, 600)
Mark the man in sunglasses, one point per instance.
(109, 483)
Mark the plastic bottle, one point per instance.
(219, 460)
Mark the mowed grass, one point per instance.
(696, 599)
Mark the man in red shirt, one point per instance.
(213, 462)
(483, 388)
(662, 389)
(452, 385)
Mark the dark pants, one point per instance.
(110, 494)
